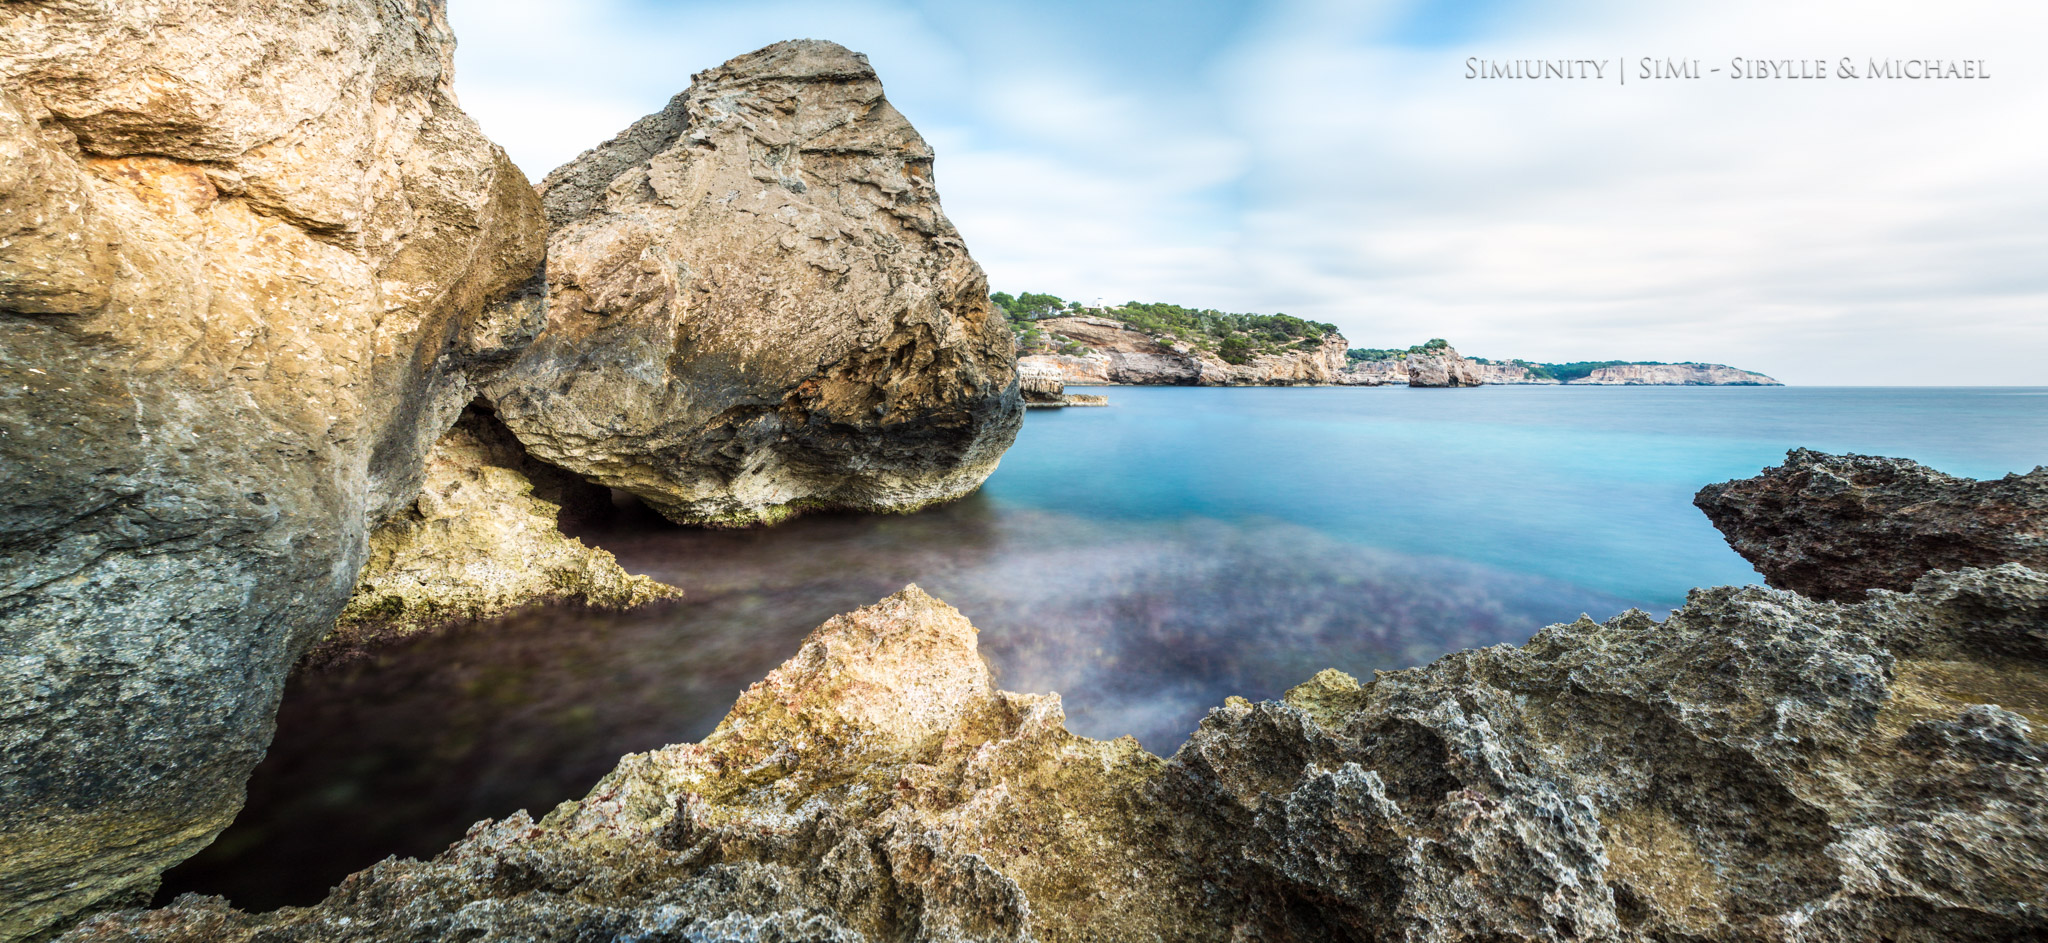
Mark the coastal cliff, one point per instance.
(756, 306)
(1674, 374)
(1757, 766)
(1115, 353)
(1434, 364)
(243, 290)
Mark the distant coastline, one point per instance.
(1157, 344)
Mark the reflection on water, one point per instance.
(1140, 627)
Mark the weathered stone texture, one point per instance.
(1758, 767)
(1833, 526)
(252, 258)
(757, 307)
(1119, 355)
(483, 539)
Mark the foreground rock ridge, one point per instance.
(253, 261)
(1833, 526)
(483, 539)
(756, 306)
(1759, 766)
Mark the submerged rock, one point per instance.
(1760, 766)
(756, 306)
(481, 540)
(243, 288)
(1833, 526)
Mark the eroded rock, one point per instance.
(1760, 766)
(481, 540)
(758, 307)
(1119, 354)
(1833, 526)
(243, 287)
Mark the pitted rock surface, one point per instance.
(253, 259)
(1758, 767)
(1833, 526)
(757, 307)
(483, 539)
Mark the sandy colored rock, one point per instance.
(1834, 526)
(480, 541)
(1122, 356)
(252, 259)
(1760, 766)
(757, 306)
(1440, 366)
(1674, 374)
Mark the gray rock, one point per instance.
(1833, 526)
(756, 307)
(1760, 766)
(243, 287)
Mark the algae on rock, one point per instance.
(481, 541)
(1758, 767)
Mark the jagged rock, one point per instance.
(481, 540)
(1760, 766)
(1833, 526)
(756, 306)
(252, 259)
(1120, 355)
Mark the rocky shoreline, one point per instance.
(288, 341)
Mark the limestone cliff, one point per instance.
(1433, 365)
(1834, 526)
(480, 541)
(1757, 767)
(756, 306)
(1117, 354)
(1045, 387)
(253, 260)
(1674, 374)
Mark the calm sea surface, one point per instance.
(1144, 560)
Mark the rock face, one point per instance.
(1833, 526)
(756, 306)
(243, 288)
(1511, 373)
(481, 540)
(1443, 367)
(1122, 356)
(1045, 387)
(1674, 374)
(1760, 766)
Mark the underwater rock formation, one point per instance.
(481, 540)
(253, 261)
(1833, 526)
(756, 307)
(1760, 766)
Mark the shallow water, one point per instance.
(1144, 560)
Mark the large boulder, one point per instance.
(1760, 766)
(1834, 526)
(253, 260)
(757, 307)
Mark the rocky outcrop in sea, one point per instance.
(1759, 766)
(756, 306)
(1045, 387)
(244, 287)
(1674, 374)
(1118, 355)
(1440, 366)
(255, 262)
(1834, 526)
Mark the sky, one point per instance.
(1334, 161)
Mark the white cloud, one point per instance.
(1826, 232)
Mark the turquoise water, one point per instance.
(1144, 560)
(1588, 485)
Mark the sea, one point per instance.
(1143, 560)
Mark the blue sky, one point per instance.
(1329, 159)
